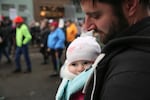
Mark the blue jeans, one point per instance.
(19, 51)
(4, 51)
(56, 61)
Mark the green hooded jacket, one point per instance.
(23, 35)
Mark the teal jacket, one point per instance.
(23, 35)
(69, 87)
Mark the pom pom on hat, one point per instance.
(83, 48)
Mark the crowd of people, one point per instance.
(114, 68)
(49, 38)
(46, 35)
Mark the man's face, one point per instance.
(52, 28)
(101, 18)
(67, 23)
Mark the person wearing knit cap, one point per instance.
(23, 37)
(56, 45)
(80, 55)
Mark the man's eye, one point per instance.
(95, 15)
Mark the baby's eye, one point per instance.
(73, 64)
(86, 62)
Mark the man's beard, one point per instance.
(116, 29)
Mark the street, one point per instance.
(28, 86)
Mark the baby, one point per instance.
(80, 55)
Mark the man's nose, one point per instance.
(89, 24)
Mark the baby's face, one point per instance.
(79, 66)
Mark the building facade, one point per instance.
(57, 9)
(39, 9)
(12, 8)
(49, 8)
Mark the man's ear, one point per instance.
(130, 6)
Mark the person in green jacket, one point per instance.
(23, 37)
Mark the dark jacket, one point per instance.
(44, 36)
(3, 36)
(124, 72)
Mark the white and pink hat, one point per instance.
(83, 48)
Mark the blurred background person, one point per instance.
(55, 43)
(35, 32)
(3, 43)
(23, 37)
(44, 32)
(71, 31)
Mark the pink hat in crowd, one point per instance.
(54, 23)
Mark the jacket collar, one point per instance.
(137, 35)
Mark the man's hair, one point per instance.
(68, 20)
(145, 3)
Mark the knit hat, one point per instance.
(54, 23)
(83, 48)
(18, 19)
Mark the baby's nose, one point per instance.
(80, 68)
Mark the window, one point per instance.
(77, 5)
(6, 7)
(22, 7)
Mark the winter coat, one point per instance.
(71, 32)
(123, 69)
(5, 35)
(3, 42)
(56, 39)
(72, 89)
(44, 36)
(23, 36)
(43, 41)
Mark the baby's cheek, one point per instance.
(72, 69)
(88, 66)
